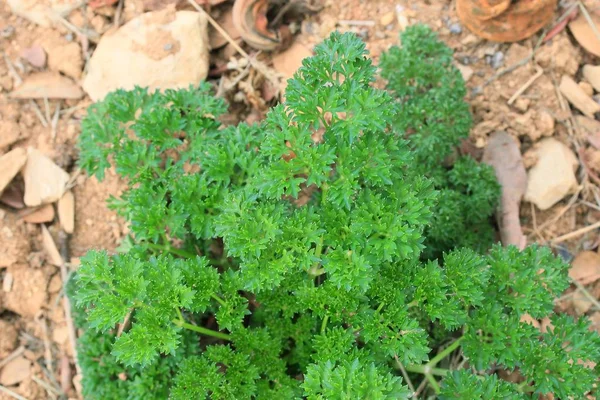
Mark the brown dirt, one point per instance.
(31, 312)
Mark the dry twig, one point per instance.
(11, 393)
(575, 233)
(522, 89)
(16, 353)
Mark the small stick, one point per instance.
(535, 227)
(562, 211)
(47, 115)
(12, 71)
(123, 325)
(54, 124)
(118, 13)
(587, 294)
(52, 392)
(352, 22)
(523, 88)
(16, 353)
(38, 112)
(47, 346)
(576, 233)
(11, 393)
(404, 374)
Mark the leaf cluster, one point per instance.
(290, 259)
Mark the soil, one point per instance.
(33, 328)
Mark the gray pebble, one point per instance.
(497, 60)
(69, 36)
(455, 28)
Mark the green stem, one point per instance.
(324, 323)
(379, 308)
(314, 270)
(426, 370)
(218, 299)
(170, 249)
(441, 355)
(204, 331)
(434, 384)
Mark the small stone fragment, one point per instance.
(66, 211)
(544, 123)
(387, 18)
(553, 177)
(584, 34)
(136, 54)
(591, 129)
(497, 60)
(560, 55)
(49, 85)
(65, 58)
(591, 74)
(587, 88)
(10, 165)
(45, 182)
(576, 96)
(55, 284)
(585, 268)
(42, 215)
(16, 371)
(465, 71)
(455, 28)
(49, 245)
(60, 334)
(28, 293)
(35, 55)
(7, 283)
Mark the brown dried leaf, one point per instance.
(584, 34)
(54, 256)
(503, 154)
(66, 212)
(49, 85)
(585, 268)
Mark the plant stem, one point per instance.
(441, 355)
(324, 323)
(170, 249)
(204, 331)
(218, 299)
(434, 384)
(427, 370)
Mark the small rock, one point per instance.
(584, 34)
(387, 18)
(288, 62)
(522, 104)
(497, 60)
(576, 96)
(8, 339)
(592, 75)
(10, 165)
(60, 334)
(7, 283)
(455, 28)
(51, 85)
(466, 72)
(553, 177)
(49, 245)
(587, 88)
(28, 294)
(136, 54)
(585, 268)
(66, 212)
(45, 182)
(544, 123)
(41, 215)
(38, 11)
(590, 128)
(10, 132)
(65, 58)
(35, 55)
(16, 371)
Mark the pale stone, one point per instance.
(66, 212)
(51, 85)
(159, 50)
(45, 182)
(16, 371)
(591, 74)
(578, 97)
(553, 176)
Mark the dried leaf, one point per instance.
(584, 34)
(503, 154)
(585, 268)
(54, 256)
(49, 85)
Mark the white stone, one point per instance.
(159, 50)
(553, 176)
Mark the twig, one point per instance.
(64, 274)
(123, 325)
(562, 211)
(16, 353)
(535, 227)
(91, 35)
(118, 13)
(575, 233)
(11, 393)
(11, 70)
(38, 112)
(587, 294)
(589, 20)
(54, 124)
(47, 346)
(52, 392)
(404, 374)
(562, 22)
(523, 88)
(47, 109)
